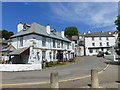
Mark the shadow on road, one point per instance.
(112, 63)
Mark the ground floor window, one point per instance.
(97, 50)
(54, 54)
(38, 56)
(43, 55)
(91, 50)
(108, 49)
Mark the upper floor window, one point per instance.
(93, 38)
(100, 44)
(99, 38)
(61, 44)
(106, 38)
(58, 44)
(72, 45)
(54, 43)
(43, 41)
(67, 45)
(21, 41)
(93, 44)
(107, 43)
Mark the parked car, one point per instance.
(100, 54)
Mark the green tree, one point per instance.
(71, 31)
(117, 22)
(6, 34)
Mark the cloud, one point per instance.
(26, 3)
(88, 13)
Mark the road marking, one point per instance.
(78, 78)
(23, 84)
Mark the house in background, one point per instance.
(3, 45)
(35, 43)
(79, 45)
(97, 41)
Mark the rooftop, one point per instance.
(40, 30)
(95, 34)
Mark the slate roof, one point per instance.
(18, 51)
(74, 37)
(98, 34)
(41, 30)
(8, 48)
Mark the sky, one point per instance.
(86, 16)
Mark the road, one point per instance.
(65, 72)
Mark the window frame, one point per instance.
(100, 43)
(107, 38)
(21, 41)
(90, 50)
(108, 44)
(93, 44)
(54, 43)
(43, 53)
(58, 44)
(93, 38)
(43, 41)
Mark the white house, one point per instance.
(97, 41)
(35, 43)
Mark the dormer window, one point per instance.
(34, 38)
(26, 26)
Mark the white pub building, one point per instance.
(35, 43)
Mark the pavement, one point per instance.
(71, 73)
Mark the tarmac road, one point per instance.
(65, 72)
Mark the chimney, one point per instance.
(20, 27)
(102, 31)
(48, 28)
(89, 32)
(109, 33)
(63, 34)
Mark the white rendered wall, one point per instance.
(27, 42)
(20, 67)
(89, 41)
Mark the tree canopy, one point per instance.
(6, 34)
(71, 31)
(117, 22)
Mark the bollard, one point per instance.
(54, 80)
(94, 79)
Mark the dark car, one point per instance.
(100, 54)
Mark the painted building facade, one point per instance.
(36, 43)
(94, 42)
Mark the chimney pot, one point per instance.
(62, 33)
(20, 27)
(48, 28)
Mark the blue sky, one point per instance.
(86, 16)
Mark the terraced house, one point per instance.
(35, 43)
